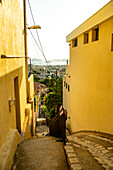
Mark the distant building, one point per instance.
(88, 83)
(35, 87)
(43, 89)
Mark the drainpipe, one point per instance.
(67, 62)
(30, 66)
(25, 41)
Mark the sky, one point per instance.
(57, 19)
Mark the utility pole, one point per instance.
(25, 43)
(56, 92)
(67, 62)
(51, 80)
(30, 66)
(56, 80)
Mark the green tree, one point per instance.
(45, 81)
(54, 97)
(36, 79)
(34, 72)
(38, 72)
(44, 110)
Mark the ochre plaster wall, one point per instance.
(11, 28)
(11, 43)
(31, 86)
(90, 100)
(31, 100)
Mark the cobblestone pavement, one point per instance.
(89, 152)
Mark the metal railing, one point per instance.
(57, 126)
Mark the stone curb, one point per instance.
(71, 157)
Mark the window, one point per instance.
(86, 38)
(64, 83)
(75, 43)
(68, 87)
(112, 43)
(95, 34)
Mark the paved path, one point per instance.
(40, 153)
(42, 130)
(84, 152)
(89, 152)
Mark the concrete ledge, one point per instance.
(41, 121)
(8, 149)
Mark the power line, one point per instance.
(38, 46)
(35, 46)
(36, 31)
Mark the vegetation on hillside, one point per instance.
(54, 98)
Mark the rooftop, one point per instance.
(103, 14)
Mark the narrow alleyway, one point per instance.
(40, 153)
(84, 151)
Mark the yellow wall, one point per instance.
(11, 43)
(90, 100)
(31, 86)
(31, 100)
(11, 28)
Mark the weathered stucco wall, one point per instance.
(31, 86)
(90, 100)
(11, 43)
(11, 28)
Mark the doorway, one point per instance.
(17, 104)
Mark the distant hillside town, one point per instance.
(45, 71)
(36, 61)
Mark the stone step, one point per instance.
(42, 130)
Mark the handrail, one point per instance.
(57, 127)
(56, 117)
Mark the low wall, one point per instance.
(8, 149)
